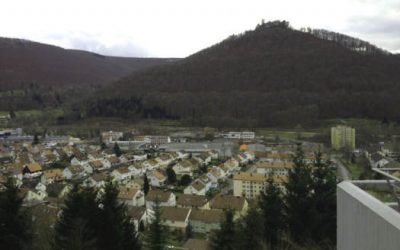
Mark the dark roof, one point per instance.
(161, 196)
(136, 213)
(198, 185)
(54, 189)
(174, 213)
(227, 202)
(191, 200)
(207, 216)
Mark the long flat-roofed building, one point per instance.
(251, 184)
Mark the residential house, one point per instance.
(79, 158)
(197, 187)
(236, 203)
(192, 201)
(175, 218)
(165, 198)
(186, 166)
(122, 174)
(203, 158)
(213, 154)
(97, 165)
(150, 164)
(97, 180)
(136, 169)
(114, 160)
(164, 160)
(74, 172)
(138, 216)
(58, 190)
(205, 221)
(95, 156)
(215, 174)
(131, 197)
(157, 178)
(52, 175)
(136, 183)
(32, 195)
(32, 170)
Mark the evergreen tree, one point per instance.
(157, 235)
(35, 140)
(272, 207)
(324, 186)
(12, 114)
(15, 226)
(223, 239)
(185, 180)
(248, 233)
(171, 175)
(75, 229)
(146, 185)
(115, 231)
(117, 150)
(299, 202)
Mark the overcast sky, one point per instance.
(178, 28)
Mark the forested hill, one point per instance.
(271, 75)
(24, 61)
(35, 75)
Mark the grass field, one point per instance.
(382, 195)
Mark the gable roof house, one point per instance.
(157, 178)
(97, 165)
(165, 199)
(197, 187)
(237, 203)
(150, 164)
(136, 169)
(52, 175)
(122, 174)
(58, 190)
(164, 159)
(205, 221)
(79, 158)
(74, 172)
(97, 180)
(114, 160)
(192, 201)
(139, 215)
(95, 155)
(32, 170)
(186, 166)
(175, 218)
(131, 197)
(215, 174)
(203, 158)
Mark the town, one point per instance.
(193, 180)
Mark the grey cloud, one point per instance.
(379, 30)
(88, 42)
